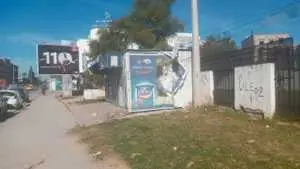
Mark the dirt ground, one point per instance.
(92, 112)
(39, 138)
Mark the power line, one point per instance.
(272, 13)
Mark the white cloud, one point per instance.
(30, 38)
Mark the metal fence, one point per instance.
(287, 78)
(286, 58)
(224, 87)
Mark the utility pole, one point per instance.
(196, 56)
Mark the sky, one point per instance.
(25, 22)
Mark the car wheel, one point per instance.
(2, 114)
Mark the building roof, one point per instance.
(184, 39)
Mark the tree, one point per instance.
(215, 44)
(92, 80)
(162, 45)
(149, 23)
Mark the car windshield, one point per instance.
(7, 94)
(20, 91)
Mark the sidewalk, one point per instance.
(38, 138)
(92, 112)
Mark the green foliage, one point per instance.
(207, 137)
(162, 45)
(149, 23)
(94, 49)
(92, 80)
(216, 45)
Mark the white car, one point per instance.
(14, 99)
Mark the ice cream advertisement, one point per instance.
(155, 81)
(143, 76)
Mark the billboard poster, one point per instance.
(170, 78)
(57, 59)
(155, 80)
(143, 81)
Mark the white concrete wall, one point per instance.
(255, 88)
(67, 85)
(184, 95)
(67, 82)
(207, 87)
(93, 94)
(52, 85)
(84, 50)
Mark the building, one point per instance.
(95, 33)
(257, 43)
(84, 49)
(255, 40)
(181, 40)
(133, 46)
(8, 72)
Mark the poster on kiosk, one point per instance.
(143, 76)
(154, 81)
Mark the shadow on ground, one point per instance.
(9, 114)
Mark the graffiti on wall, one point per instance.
(253, 90)
(255, 87)
(204, 79)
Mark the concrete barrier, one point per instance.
(93, 94)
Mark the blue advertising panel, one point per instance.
(143, 81)
(155, 80)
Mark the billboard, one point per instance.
(143, 76)
(57, 59)
(155, 80)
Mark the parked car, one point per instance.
(3, 107)
(22, 92)
(13, 99)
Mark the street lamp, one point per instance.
(196, 56)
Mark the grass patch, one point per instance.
(206, 138)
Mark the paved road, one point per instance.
(37, 138)
(34, 94)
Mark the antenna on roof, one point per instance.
(106, 22)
